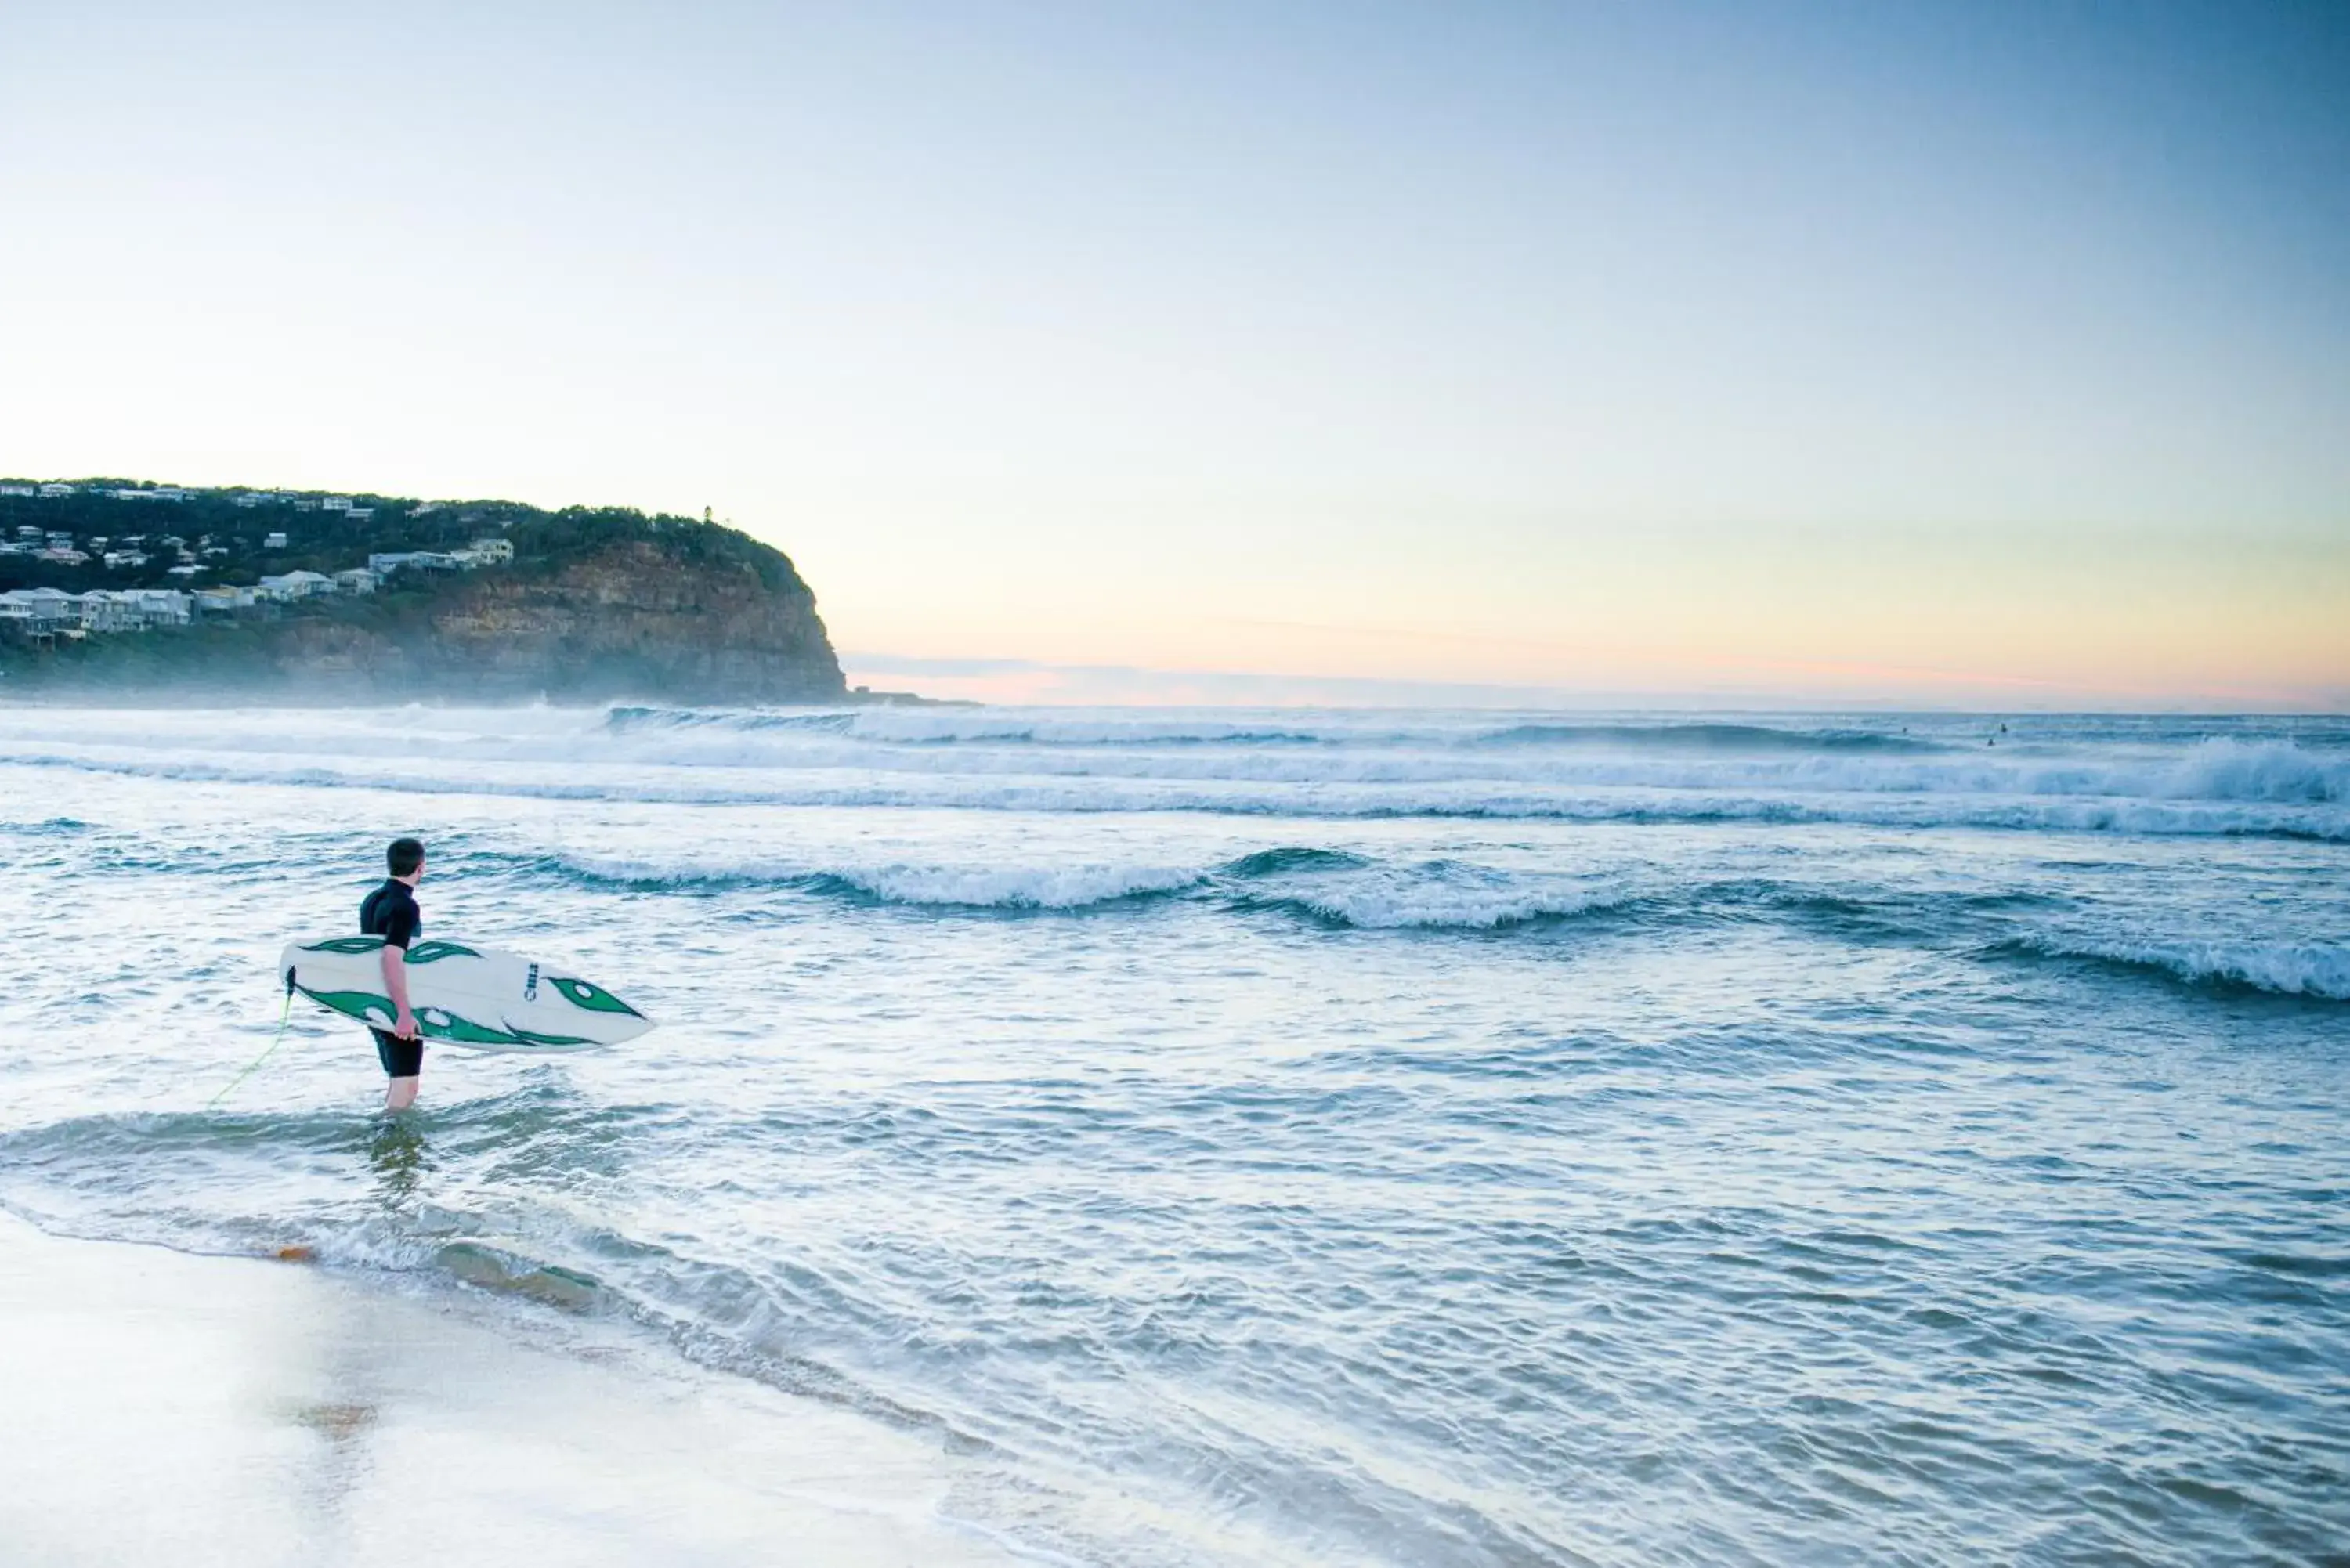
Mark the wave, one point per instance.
(45, 827)
(1326, 887)
(1058, 887)
(1276, 862)
(1049, 887)
(919, 727)
(1338, 890)
(1434, 909)
(888, 726)
(2279, 969)
(2297, 816)
(1709, 737)
(831, 759)
(621, 721)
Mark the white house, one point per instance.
(358, 580)
(224, 599)
(273, 541)
(383, 563)
(159, 607)
(18, 490)
(118, 559)
(40, 609)
(491, 551)
(57, 490)
(296, 585)
(48, 609)
(103, 611)
(336, 503)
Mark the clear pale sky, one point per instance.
(1983, 354)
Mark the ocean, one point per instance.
(1284, 1136)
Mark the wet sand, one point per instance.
(160, 1407)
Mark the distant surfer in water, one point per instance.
(391, 912)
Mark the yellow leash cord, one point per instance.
(287, 1013)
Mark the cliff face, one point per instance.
(629, 620)
(686, 613)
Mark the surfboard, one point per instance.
(463, 995)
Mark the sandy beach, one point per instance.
(254, 1412)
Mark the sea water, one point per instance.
(1299, 1138)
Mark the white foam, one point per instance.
(1016, 887)
(1467, 798)
(1393, 906)
(2289, 969)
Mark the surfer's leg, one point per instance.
(403, 1062)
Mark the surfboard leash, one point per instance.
(283, 1014)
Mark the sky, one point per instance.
(1986, 354)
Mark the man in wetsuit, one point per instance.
(391, 912)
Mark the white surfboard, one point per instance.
(463, 996)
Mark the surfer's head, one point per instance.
(406, 858)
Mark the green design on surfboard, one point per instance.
(433, 1022)
(346, 945)
(593, 998)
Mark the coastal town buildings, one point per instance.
(49, 612)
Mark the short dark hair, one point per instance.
(404, 857)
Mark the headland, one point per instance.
(122, 590)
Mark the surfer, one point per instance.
(391, 912)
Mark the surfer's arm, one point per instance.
(395, 984)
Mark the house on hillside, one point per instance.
(383, 563)
(297, 586)
(40, 609)
(102, 611)
(491, 551)
(356, 580)
(159, 607)
(222, 599)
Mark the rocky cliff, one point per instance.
(595, 607)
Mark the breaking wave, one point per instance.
(2281, 796)
(2280, 968)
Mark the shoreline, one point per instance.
(252, 1412)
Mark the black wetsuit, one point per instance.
(391, 912)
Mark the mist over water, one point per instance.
(1302, 1136)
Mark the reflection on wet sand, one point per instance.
(212, 1411)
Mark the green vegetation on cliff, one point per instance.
(596, 603)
